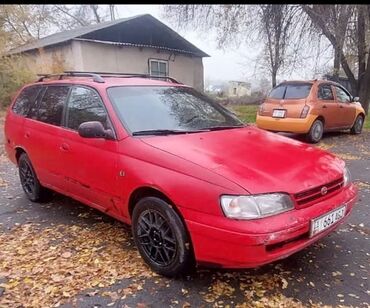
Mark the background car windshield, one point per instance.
(291, 91)
(168, 108)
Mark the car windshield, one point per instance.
(291, 91)
(165, 110)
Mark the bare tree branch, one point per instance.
(65, 11)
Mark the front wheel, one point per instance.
(161, 238)
(316, 131)
(357, 126)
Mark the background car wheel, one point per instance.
(161, 238)
(30, 183)
(357, 126)
(316, 131)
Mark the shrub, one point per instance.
(13, 75)
(254, 99)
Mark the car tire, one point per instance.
(161, 238)
(316, 131)
(357, 126)
(29, 181)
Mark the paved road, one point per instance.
(65, 254)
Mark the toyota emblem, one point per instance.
(324, 191)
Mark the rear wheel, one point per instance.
(357, 126)
(161, 238)
(316, 131)
(30, 183)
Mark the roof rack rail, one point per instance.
(43, 76)
(95, 77)
(125, 75)
(98, 76)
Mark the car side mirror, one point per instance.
(94, 129)
(356, 99)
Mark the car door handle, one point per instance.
(324, 106)
(64, 147)
(27, 135)
(340, 106)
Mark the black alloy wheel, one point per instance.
(161, 237)
(29, 181)
(156, 237)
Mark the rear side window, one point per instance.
(325, 93)
(50, 108)
(85, 105)
(291, 91)
(25, 100)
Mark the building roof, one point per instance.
(141, 31)
(240, 82)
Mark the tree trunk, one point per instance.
(95, 11)
(364, 98)
(336, 62)
(361, 46)
(273, 77)
(364, 92)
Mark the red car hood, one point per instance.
(257, 160)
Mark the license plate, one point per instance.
(278, 113)
(325, 221)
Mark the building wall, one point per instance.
(111, 58)
(51, 60)
(238, 89)
(91, 56)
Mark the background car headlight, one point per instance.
(346, 176)
(256, 206)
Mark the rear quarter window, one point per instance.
(50, 108)
(25, 100)
(325, 93)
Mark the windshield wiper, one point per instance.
(163, 132)
(223, 127)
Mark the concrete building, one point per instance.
(140, 44)
(238, 88)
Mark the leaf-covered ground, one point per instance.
(65, 254)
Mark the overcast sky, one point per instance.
(230, 64)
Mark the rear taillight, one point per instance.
(260, 109)
(305, 111)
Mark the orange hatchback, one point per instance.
(311, 108)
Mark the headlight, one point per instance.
(346, 176)
(256, 206)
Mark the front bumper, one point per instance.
(245, 244)
(289, 125)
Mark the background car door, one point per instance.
(347, 111)
(327, 106)
(90, 163)
(43, 135)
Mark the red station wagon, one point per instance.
(196, 184)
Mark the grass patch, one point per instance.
(246, 113)
(367, 122)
